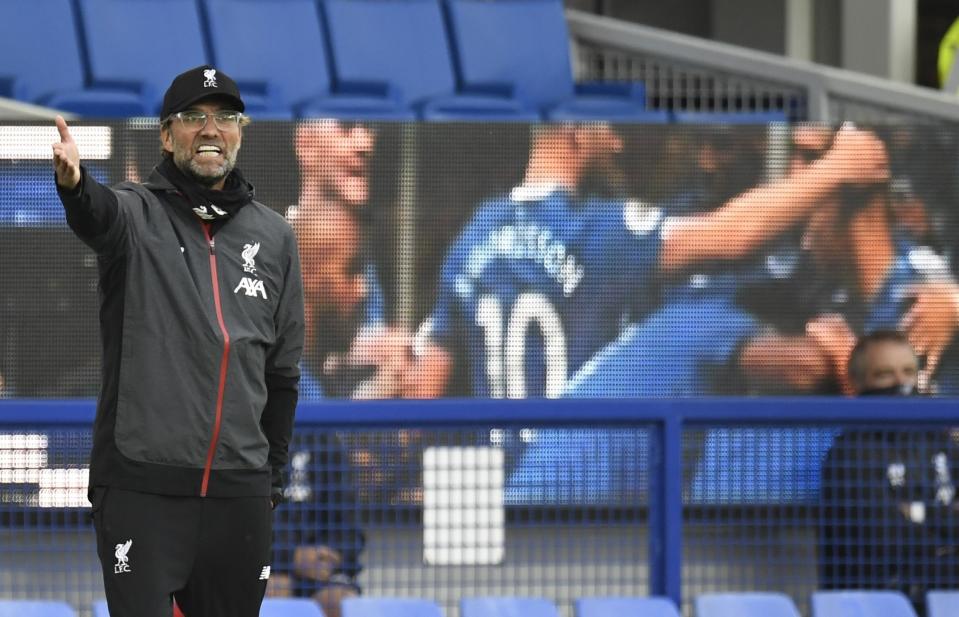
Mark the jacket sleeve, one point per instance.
(283, 370)
(93, 213)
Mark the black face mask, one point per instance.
(894, 390)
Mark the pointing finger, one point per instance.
(65, 136)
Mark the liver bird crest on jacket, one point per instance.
(249, 252)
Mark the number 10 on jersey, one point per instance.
(505, 340)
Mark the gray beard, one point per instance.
(192, 170)
(189, 167)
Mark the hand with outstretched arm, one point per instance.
(66, 158)
(759, 215)
(91, 208)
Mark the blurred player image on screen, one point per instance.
(201, 312)
(336, 300)
(858, 273)
(334, 161)
(853, 273)
(350, 351)
(541, 279)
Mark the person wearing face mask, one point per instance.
(883, 363)
(889, 517)
(201, 313)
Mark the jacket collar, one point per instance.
(156, 182)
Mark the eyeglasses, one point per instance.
(224, 120)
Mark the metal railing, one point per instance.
(682, 72)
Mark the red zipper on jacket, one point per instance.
(223, 362)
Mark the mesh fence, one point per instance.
(560, 513)
(437, 514)
(861, 507)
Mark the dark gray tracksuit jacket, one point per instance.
(202, 331)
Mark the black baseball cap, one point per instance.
(197, 84)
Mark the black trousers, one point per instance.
(212, 555)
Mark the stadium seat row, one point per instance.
(824, 604)
(496, 60)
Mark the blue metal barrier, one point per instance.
(679, 467)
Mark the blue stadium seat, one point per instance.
(732, 117)
(396, 51)
(35, 608)
(942, 603)
(275, 72)
(135, 48)
(861, 604)
(289, 75)
(625, 607)
(365, 606)
(752, 604)
(271, 607)
(496, 52)
(290, 607)
(506, 606)
(29, 70)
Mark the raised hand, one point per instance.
(933, 320)
(859, 156)
(831, 332)
(66, 157)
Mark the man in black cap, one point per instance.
(201, 313)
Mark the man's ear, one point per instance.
(166, 138)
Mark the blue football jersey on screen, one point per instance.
(538, 282)
(683, 349)
(886, 308)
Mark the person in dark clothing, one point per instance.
(889, 516)
(317, 536)
(201, 315)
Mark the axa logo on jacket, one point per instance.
(252, 286)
